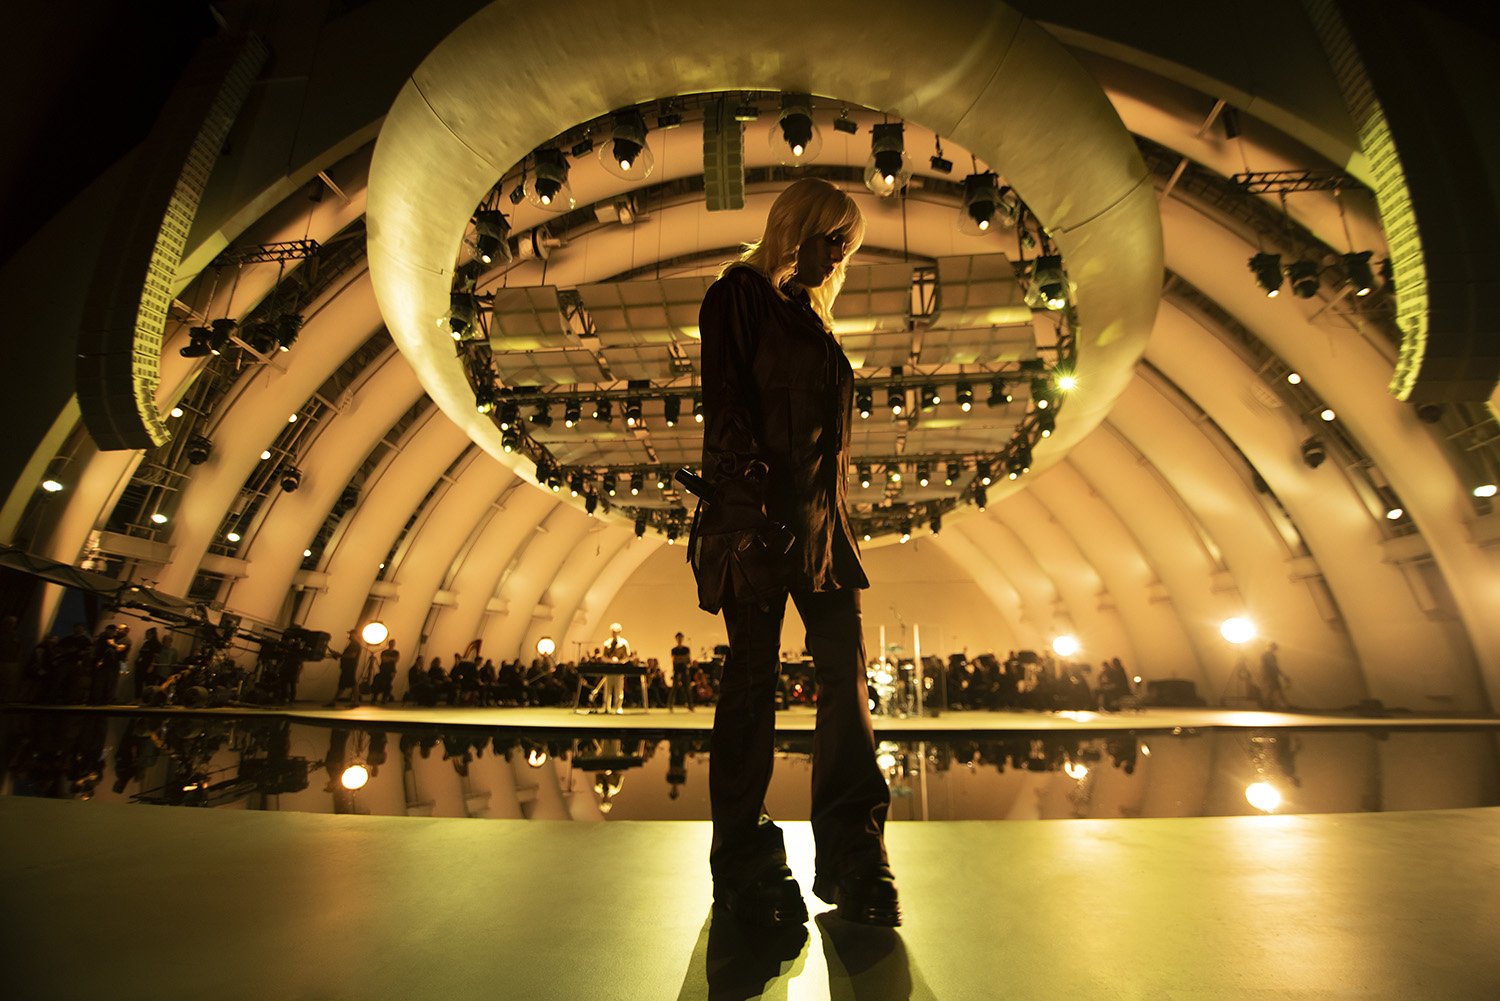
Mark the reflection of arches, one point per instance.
(994, 82)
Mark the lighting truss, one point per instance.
(1286, 182)
(266, 253)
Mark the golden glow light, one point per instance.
(1237, 630)
(1066, 645)
(1485, 490)
(354, 777)
(1076, 770)
(1263, 796)
(1328, 414)
(545, 646)
(159, 518)
(536, 757)
(52, 486)
(1067, 383)
(374, 633)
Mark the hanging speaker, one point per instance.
(723, 158)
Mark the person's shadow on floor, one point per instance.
(738, 962)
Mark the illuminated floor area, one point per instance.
(141, 902)
(801, 719)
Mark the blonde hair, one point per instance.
(809, 206)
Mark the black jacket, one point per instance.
(777, 395)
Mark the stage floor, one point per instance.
(164, 903)
(800, 719)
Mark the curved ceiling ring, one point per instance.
(981, 73)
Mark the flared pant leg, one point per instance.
(849, 796)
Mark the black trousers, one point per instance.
(849, 794)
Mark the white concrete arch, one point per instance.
(1002, 553)
(573, 580)
(1393, 638)
(251, 421)
(431, 553)
(1152, 513)
(1092, 609)
(1258, 582)
(588, 615)
(1126, 569)
(1350, 374)
(979, 73)
(386, 504)
(1018, 633)
(275, 553)
(475, 582)
(534, 569)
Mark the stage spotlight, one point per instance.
(1041, 392)
(888, 168)
(1313, 453)
(590, 503)
(575, 483)
(672, 530)
(175, 412)
(951, 474)
(843, 123)
(964, 395)
(930, 398)
(199, 448)
(1049, 284)
(864, 402)
(582, 147)
(1294, 379)
(374, 632)
(157, 518)
(981, 497)
(746, 110)
(1357, 271)
(1237, 630)
(1046, 423)
(982, 471)
(232, 536)
(1485, 490)
(637, 480)
(632, 411)
(491, 229)
(219, 333)
(935, 522)
(542, 418)
(603, 411)
(510, 440)
(510, 411)
(864, 474)
(546, 646)
(610, 483)
(1066, 646)
(896, 400)
(260, 337)
(698, 409)
(547, 188)
(197, 345)
(571, 412)
(906, 530)
(981, 200)
(288, 326)
(795, 139)
(51, 486)
(1066, 381)
(924, 474)
(1327, 415)
(484, 402)
(626, 155)
(463, 312)
(1304, 277)
(672, 410)
(892, 473)
(291, 479)
(355, 777)
(640, 525)
(999, 394)
(1267, 271)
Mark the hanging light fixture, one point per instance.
(964, 394)
(1304, 276)
(1049, 285)
(981, 200)
(626, 155)
(1357, 271)
(491, 229)
(795, 139)
(547, 187)
(888, 168)
(1267, 271)
(672, 410)
(864, 402)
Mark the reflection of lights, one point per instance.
(1146, 750)
(354, 777)
(883, 677)
(1077, 715)
(1237, 630)
(1066, 646)
(1485, 490)
(1263, 796)
(1076, 770)
(545, 646)
(374, 633)
(536, 757)
(886, 760)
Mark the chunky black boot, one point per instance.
(770, 899)
(867, 896)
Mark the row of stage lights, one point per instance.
(1305, 276)
(264, 337)
(795, 139)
